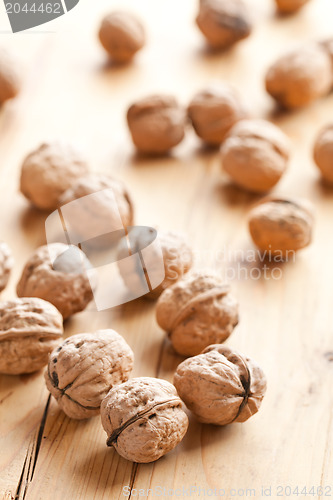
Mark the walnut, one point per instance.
(223, 22)
(10, 77)
(29, 329)
(48, 171)
(300, 76)
(288, 6)
(143, 419)
(83, 369)
(6, 264)
(58, 273)
(220, 386)
(323, 153)
(110, 210)
(197, 311)
(214, 111)
(156, 123)
(122, 36)
(281, 226)
(173, 250)
(255, 154)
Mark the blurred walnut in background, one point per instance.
(288, 6)
(323, 153)
(10, 76)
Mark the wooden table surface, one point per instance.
(286, 323)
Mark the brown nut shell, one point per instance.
(156, 124)
(281, 226)
(48, 171)
(6, 264)
(223, 22)
(301, 76)
(122, 36)
(83, 369)
(143, 419)
(255, 154)
(63, 281)
(323, 153)
(10, 78)
(30, 328)
(214, 111)
(288, 6)
(175, 252)
(220, 386)
(197, 311)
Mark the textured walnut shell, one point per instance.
(197, 311)
(214, 111)
(220, 386)
(29, 329)
(98, 214)
(156, 124)
(143, 419)
(223, 22)
(122, 36)
(176, 253)
(6, 264)
(10, 78)
(323, 153)
(288, 6)
(65, 283)
(299, 77)
(83, 369)
(255, 154)
(281, 225)
(48, 171)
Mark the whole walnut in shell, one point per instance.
(105, 207)
(156, 124)
(143, 419)
(83, 369)
(323, 153)
(288, 6)
(122, 35)
(173, 253)
(58, 273)
(281, 226)
(223, 22)
(29, 329)
(197, 311)
(6, 264)
(48, 171)
(214, 111)
(255, 154)
(301, 76)
(10, 77)
(220, 386)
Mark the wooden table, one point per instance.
(286, 324)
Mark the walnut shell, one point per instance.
(301, 76)
(288, 6)
(214, 111)
(281, 226)
(323, 153)
(48, 171)
(102, 214)
(29, 329)
(61, 279)
(255, 154)
(10, 77)
(176, 254)
(6, 264)
(122, 35)
(223, 22)
(220, 386)
(197, 311)
(143, 419)
(83, 369)
(156, 124)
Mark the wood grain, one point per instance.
(286, 324)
